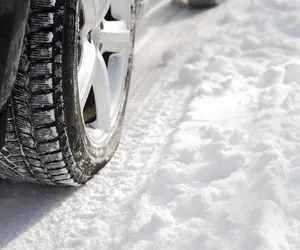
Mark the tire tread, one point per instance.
(36, 140)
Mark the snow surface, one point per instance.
(209, 157)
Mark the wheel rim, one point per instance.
(103, 61)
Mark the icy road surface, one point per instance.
(210, 154)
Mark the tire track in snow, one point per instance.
(140, 151)
(254, 200)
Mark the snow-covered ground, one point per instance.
(210, 154)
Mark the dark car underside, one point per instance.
(12, 27)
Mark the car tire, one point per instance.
(46, 139)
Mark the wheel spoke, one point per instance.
(85, 74)
(102, 95)
(94, 12)
(117, 63)
(121, 10)
(114, 36)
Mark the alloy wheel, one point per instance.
(104, 47)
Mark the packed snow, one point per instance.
(210, 153)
